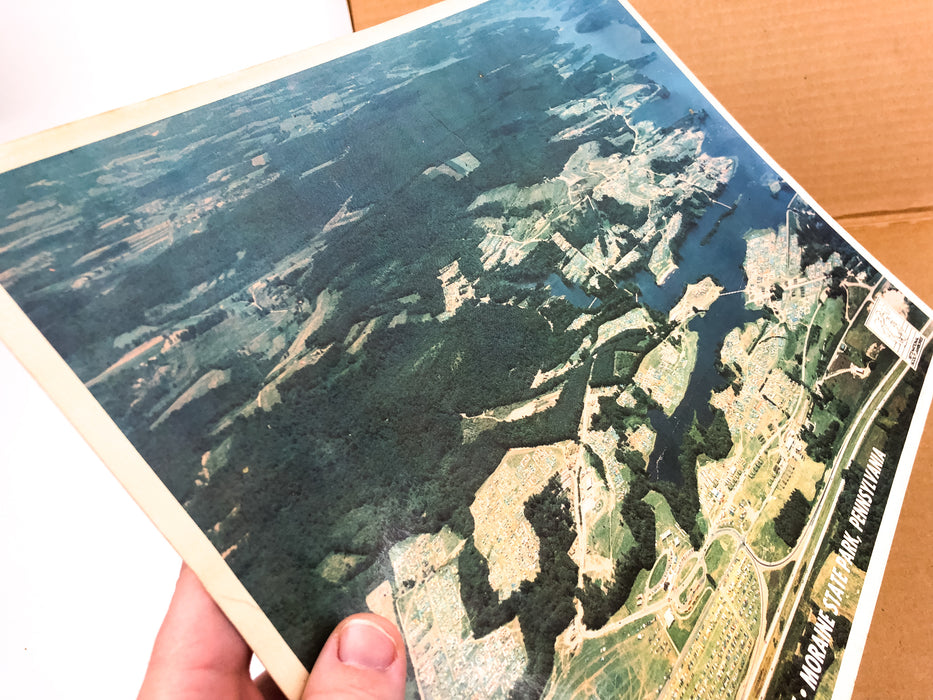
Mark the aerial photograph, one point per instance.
(500, 329)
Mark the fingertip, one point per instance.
(366, 644)
(363, 658)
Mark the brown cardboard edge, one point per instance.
(59, 139)
(369, 14)
(80, 407)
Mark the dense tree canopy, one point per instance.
(793, 516)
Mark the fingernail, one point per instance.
(366, 645)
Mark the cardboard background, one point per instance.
(840, 93)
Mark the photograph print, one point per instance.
(501, 329)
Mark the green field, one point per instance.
(847, 387)
(609, 536)
(821, 420)
(681, 629)
(631, 605)
(657, 573)
(718, 556)
(873, 438)
(756, 489)
(776, 580)
(829, 320)
(639, 666)
(794, 339)
(664, 519)
(765, 542)
(684, 596)
(854, 297)
(860, 338)
(688, 571)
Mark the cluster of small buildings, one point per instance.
(774, 258)
(664, 374)
(715, 662)
(502, 533)
(770, 257)
(780, 390)
(802, 293)
(441, 645)
(765, 391)
(711, 489)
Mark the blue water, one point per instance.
(571, 293)
(721, 257)
(724, 315)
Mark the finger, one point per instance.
(197, 652)
(364, 659)
(267, 687)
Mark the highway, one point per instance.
(803, 555)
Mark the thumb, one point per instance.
(364, 659)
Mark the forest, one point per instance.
(366, 447)
(715, 441)
(599, 606)
(544, 606)
(790, 521)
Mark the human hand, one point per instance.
(198, 654)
